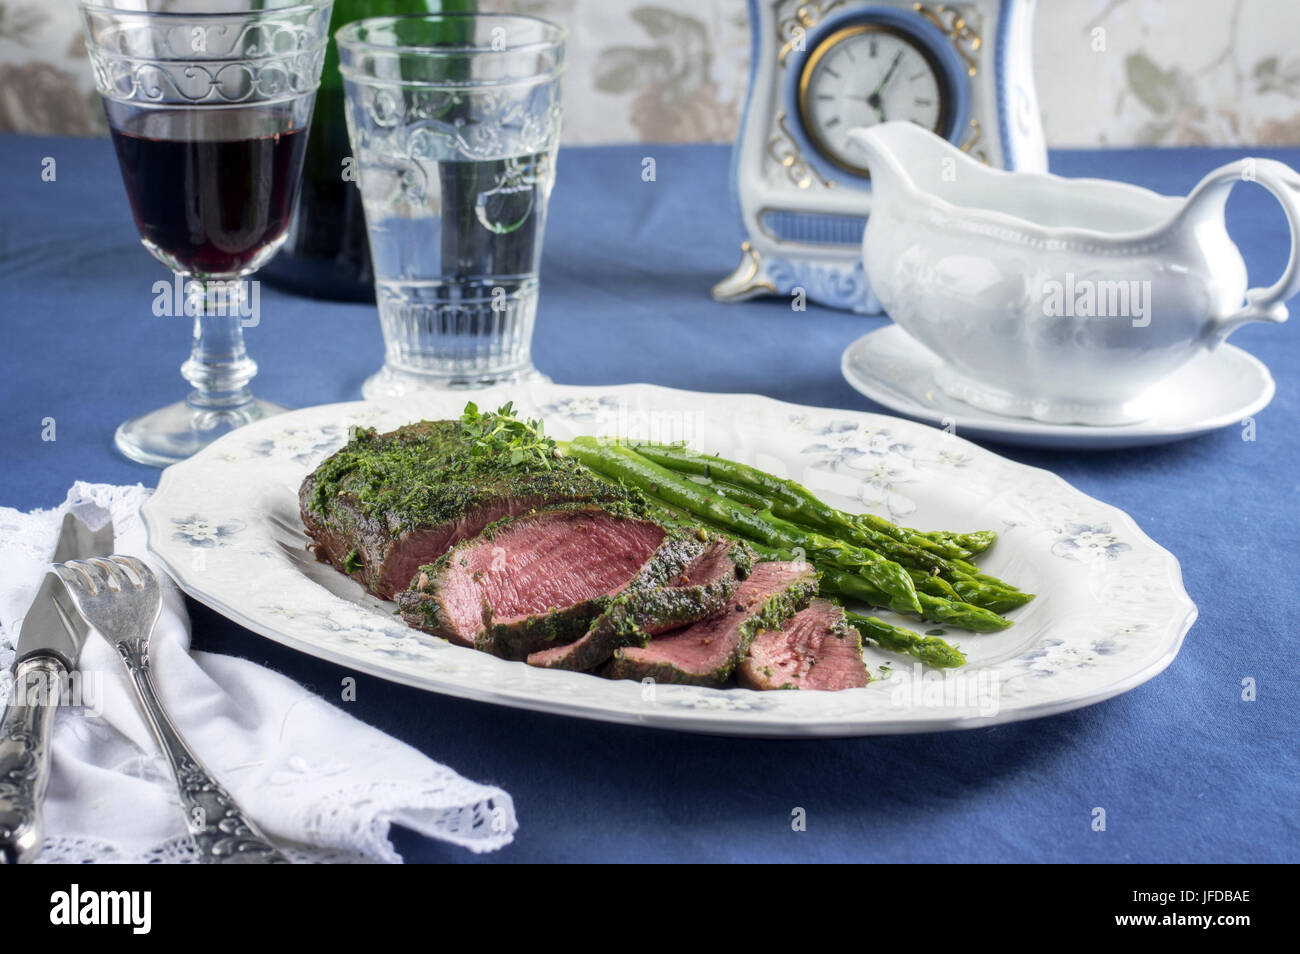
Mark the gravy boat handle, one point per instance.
(1208, 198)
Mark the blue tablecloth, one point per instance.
(1186, 770)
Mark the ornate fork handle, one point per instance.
(221, 830)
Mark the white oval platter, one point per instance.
(1111, 610)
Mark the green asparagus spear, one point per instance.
(930, 573)
(930, 650)
(796, 505)
(934, 585)
(800, 516)
(971, 543)
(794, 497)
(999, 599)
(949, 612)
(741, 495)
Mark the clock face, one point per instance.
(863, 75)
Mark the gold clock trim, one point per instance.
(744, 281)
(958, 30)
(806, 16)
(784, 151)
(824, 47)
(973, 140)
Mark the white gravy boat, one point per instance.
(1063, 300)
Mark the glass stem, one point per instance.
(219, 367)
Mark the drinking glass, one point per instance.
(454, 121)
(208, 105)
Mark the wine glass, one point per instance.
(208, 104)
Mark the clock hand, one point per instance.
(889, 74)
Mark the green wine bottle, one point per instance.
(326, 253)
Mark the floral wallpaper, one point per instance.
(1169, 72)
(45, 83)
(1110, 72)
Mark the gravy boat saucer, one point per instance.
(1216, 389)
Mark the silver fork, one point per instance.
(120, 598)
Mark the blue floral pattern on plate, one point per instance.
(199, 531)
(1080, 541)
(300, 445)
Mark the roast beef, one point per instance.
(705, 653)
(385, 504)
(816, 649)
(539, 580)
(701, 590)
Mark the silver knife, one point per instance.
(48, 646)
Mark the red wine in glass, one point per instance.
(209, 105)
(212, 191)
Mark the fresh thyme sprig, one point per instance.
(501, 433)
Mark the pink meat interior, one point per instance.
(427, 544)
(807, 652)
(710, 566)
(553, 561)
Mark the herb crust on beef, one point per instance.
(386, 503)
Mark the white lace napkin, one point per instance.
(321, 783)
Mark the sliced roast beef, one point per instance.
(386, 504)
(705, 653)
(816, 649)
(539, 580)
(640, 612)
